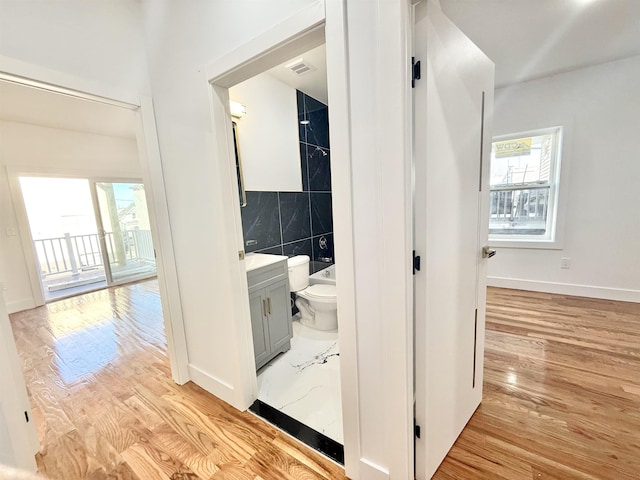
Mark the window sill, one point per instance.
(526, 244)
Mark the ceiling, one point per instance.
(526, 39)
(530, 39)
(25, 104)
(312, 83)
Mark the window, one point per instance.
(524, 186)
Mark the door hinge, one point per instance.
(26, 416)
(416, 430)
(416, 262)
(415, 71)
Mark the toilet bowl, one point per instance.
(317, 303)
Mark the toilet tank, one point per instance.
(298, 272)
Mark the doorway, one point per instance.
(283, 162)
(375, 358)
(69, 154)
(86, 234)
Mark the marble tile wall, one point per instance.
(298, 223)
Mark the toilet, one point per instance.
(317, 303)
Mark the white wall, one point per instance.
(6, 449)
(95, 40)
(599, 105)
(18, 439)
(31, 148)
(182, 39)
(268, 133)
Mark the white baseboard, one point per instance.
(566, 289)
(371, 471)
(20, 305)
(213, 385)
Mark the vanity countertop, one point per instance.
(254, 261)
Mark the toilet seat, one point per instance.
(319, 293)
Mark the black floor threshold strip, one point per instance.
(293, 427)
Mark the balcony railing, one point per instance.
(73, 253)
(518, 210)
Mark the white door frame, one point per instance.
(297, 34)
(150, 164)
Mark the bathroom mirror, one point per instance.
(272, 130)
(284, 160)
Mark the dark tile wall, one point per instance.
(298, 223)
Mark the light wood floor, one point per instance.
(106, 408)
(561, 392)
(562, 397)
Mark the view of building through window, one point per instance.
(524, 185)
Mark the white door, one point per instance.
(452, 107)
(18, 437)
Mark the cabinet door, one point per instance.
(257, 306)
(279, 310)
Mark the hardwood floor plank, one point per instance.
(188, 430)
(314, 461)
(142, 461)
(561, 397)
(150, 459)
(234, 471)
(98, 446)
(67, 458)
(120, 427)
(205, 466)
(121, 472)
(274, 464)
(106, 408)
(239, 440)
(147, 416)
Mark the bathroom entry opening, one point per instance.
(280, 158)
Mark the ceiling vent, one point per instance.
(300, 67)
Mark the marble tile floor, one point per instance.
(304, 382)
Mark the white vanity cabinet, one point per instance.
(269, 302)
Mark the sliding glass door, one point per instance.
(87, 234)
(125, 232)
(64, 234)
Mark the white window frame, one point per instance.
(552, 240)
